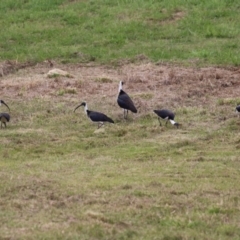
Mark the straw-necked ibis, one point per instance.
(125, 102)
(4, 117)
(96, 117)
(238, 110)
(166, 115)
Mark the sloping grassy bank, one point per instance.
(203, 32)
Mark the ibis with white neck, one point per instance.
(125, 102)
(4, 117)
(167, 115)
(95, 117)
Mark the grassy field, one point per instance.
(60, 178)
(203, 32)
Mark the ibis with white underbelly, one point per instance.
(125, 102)
(167, 115)
(96, 117)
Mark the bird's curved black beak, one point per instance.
(5, 105)
(82, 104)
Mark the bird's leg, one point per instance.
(5, 124)
(159, 122)
(100, 124)
(125, 114)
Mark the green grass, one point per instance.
(134, 180)
(105, 31)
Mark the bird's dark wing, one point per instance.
(238, 108)
(5, 116)
(98, 117)
(125, 102)
(165, 113)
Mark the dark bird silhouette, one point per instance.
(238, 110)
(4, 117)
(167, 115)
(97, 117)
(125, 102)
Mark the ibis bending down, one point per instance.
(167, 115)
(125, 102)
(97, 117)
(4, 117)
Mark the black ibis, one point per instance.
(97, 117)
(238, 110)
(167, 115)
(125, 102)
(4, 117)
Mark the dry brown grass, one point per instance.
(169, 86)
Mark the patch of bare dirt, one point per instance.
(8, 67)
(174, 17)
(150, 85)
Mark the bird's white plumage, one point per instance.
(120, 86)
(85, 108)
(172, 121)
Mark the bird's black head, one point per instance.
(2, 102)
(121, 84)
(82, 104)
(177, 125)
